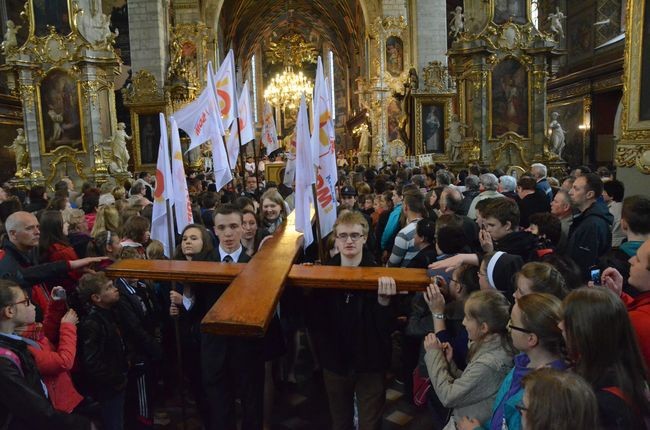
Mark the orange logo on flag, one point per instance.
(160, 185)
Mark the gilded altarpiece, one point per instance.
(63, 74)
(501, 64)
(633, 149)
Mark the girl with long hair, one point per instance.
(53, 245)
(535, 277)
(273, 210)
(535, 333)
(602, 345)
(107, 218)
(472, 391)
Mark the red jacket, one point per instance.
(638, 308)
(61, 252)
(55, 362)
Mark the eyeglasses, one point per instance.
(521, 407)
(27, 302)
(345, 236)
(521, 329)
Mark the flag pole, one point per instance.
(177, 329)
(319, 239)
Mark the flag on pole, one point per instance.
(245, 115)
(269, 132)
(161, 219)
(225, 89)
(323, 153)
(200, 119)
(245, 126)
(305, 177)
(182, 203)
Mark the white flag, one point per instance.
(269, 132)
(161, 220)
(182, 203)
(304, 174)
(200, 119)
(245, 116)
(290, 167)
(233, 144)
(323, 155)
(225, 89)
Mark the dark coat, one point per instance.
(20, 267)
(532, 204)
(101, 354)
(521, 243)
(590, 236)
(23, 403)
(353, 329)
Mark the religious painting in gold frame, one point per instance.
(574, 117)
(432, 116)
(634, 147)
(60, 112)
(145, 127)
(509, 98)
(48, 14)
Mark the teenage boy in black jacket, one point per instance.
(100, 350)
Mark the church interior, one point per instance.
(498, 84)
(425, 81)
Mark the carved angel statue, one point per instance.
(118, 144)
(19, 146)
(457, 22)
(556, 22)
(10, 41)
(455, 139)
(557, 135)
(364, 141)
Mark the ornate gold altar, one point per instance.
(501, 64)
(63, 72)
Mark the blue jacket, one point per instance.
(392, 227)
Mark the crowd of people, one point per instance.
(535, 317)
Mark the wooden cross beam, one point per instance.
(246, 307)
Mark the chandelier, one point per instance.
(285, 89)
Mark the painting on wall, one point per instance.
(60, 112)
(148, 138)
(432, 115)
(394, 55)
(51, 13)
(509, 101)
(571, 115)
(580, 34)
(394, 114)
(504, 10)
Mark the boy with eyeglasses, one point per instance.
(24, 403)
(353, 333)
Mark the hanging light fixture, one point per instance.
(292, 50)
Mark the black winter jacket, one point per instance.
(353, 329)
(23, 404)
(101, 354)
(20, 267)
(590, 236)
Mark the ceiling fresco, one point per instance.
(249, 24)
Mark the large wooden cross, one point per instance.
(246, 307)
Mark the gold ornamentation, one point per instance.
(626, 155)
(28, 96)
(444, 103)
(436, 77)
(64, 155)
(509, 141)
(90, 91)
(539, 81)
(292, 50)
(144, 89)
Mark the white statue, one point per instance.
(557, 135)
(95, 25)
(455, 139)
(121, 156)
(10, 42)
(556, 22)
(364, 141)
(457, 22)
(19, 146)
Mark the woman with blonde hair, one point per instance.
(472, 391)
(535, 277)
(107, 218)
(77, 230)
(273, 210)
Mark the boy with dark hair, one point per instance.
(531, 200)
(613, 193)
(500, 230)
(24, 403)
(101, 353)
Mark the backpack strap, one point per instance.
(7, 353)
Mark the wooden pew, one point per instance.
(246, 307)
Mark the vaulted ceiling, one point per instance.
(248, 24)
